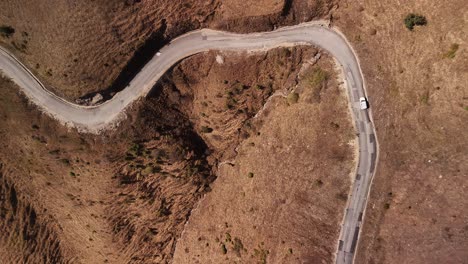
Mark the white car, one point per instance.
(363, 103)
(158, 53)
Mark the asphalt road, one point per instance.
(95, 118)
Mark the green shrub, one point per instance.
(223, 249)
(451, 53)
(230, 102)
(147, 171)
(292, 98)
(316, 77)
(412, 20)
(259, 87)
(136, 149)
(261, 254)
(424, 98)
(205, 129)
(6, 31)
(238, 247)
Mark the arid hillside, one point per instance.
(79, 48)
(125, 196)
(417, 82)
(281, 198)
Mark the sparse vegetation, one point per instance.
(412, 20)
(358, 38)
(206, 130)
(238, 247)
(424, 99)
(316, 77)
(22, 47)
(148, 170)
(6, 31)
(139, 190)
(136, 150)
(223, 249)
(261, 254)
(292, 98)
(164, 208)
(319, 182)
(250, 175)
(259, 87)
(453, 50)
(230, 102)
(342, 196)
(315, 80)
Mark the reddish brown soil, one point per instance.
(417, 93)
(85, 47)
(124, 197)
(281, 199)
(417, 211)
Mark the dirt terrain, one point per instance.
(125, 196)
(79, 48)
(281, 198)
(54, 188)
(418, 92)
(66, 210)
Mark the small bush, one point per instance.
(342, 196)
(319, 182)
(147, 171)
(262, 255)
(412, 20)
(230, 102)
(259, 87)
(317, 77)
(164, 208)
(451, 53)
(424, 98)
(136, 149)
(223, 249)
(205, 129)
(285, 52)
(228, 237)
(238, 247)
(6, 31)
(292, 98)
(250, 175)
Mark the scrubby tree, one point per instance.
(6, 31)
(412, 20)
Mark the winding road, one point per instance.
(96, 118)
